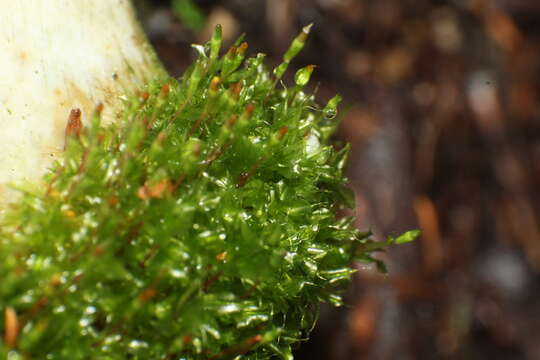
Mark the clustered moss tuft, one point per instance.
(202, 227)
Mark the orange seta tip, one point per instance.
(165, 89)
(282, 132)
(249, 109)
(11, 327)
(243, 47)
(236, 88)
(74, 123)
(148, 294)
(99, 108)
(255, 339)
(232, 120)
(214, 84)
(144, 96)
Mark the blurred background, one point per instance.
(442, 109)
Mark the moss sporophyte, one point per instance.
(201, 226)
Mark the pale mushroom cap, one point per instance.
(56, 56)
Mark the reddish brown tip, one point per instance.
(249, 109)
(255, 340)
(144, 96)
(11, 327)
(243, 47)
(232, 120)
(165, 89)
(74, 124)
(236, 88)
(214, 84)
(99, 108)
(282, 132)
(147, 294)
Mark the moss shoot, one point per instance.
(203, 226)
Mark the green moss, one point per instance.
(202, 227)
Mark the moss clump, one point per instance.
(202, 227)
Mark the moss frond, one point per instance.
(202, 227)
